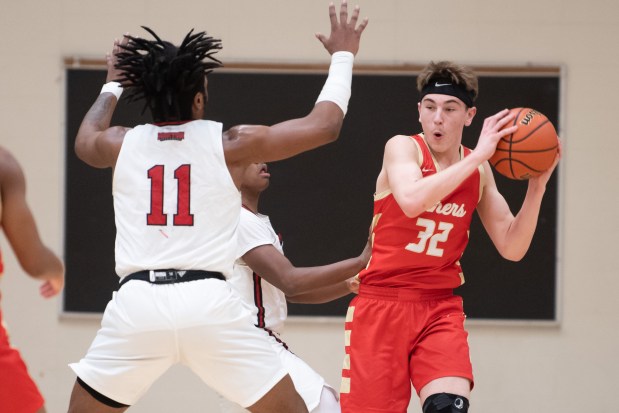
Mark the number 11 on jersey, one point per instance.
(183, 215)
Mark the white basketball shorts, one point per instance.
(146, 328)
(308, 383)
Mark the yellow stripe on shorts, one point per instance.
(345, 387)
(346, 364)
(349, 314)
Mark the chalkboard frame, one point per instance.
(299, 312)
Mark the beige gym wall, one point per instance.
(571, 367)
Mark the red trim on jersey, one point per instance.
(173, 123)
(258, 300)
(276, 337)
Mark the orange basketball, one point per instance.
(530, 150)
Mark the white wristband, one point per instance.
(337, 85)
(114, 88)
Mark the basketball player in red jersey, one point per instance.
(176, 207)
(18, 393)
(406, 325)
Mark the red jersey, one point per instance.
(422, 252)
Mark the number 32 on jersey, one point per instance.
(430, 237)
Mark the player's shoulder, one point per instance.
(404, 140)
(403, 144)
(5, 154)
(400, 138)
(8, 163)
(248, 218)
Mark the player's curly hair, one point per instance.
(167, 77)
(459, 74)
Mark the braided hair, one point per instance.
(165, 76)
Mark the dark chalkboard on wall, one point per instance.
(321, 201)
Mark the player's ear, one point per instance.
(199, 101)
(470, 114)
(419, 111)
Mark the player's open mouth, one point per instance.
(264, 171)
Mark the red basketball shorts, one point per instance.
(18, 393)
(396, 337)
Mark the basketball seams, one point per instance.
(552, 148)
(518, 158)
(510, 142)
(545, 122)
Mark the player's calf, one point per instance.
(446, 403)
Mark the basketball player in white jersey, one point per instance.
(264, 278)
(177, 205)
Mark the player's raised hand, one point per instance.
(111, 59)
(494, 128)
(345, 34)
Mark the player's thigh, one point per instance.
(18, 392)
(134, 346)
(308, 383)
(443, 350)
(375, 376)
(280, 398)
(83, 402)
(227, 351)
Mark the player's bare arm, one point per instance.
(512, 235)
(97, 143)
(274, 267)
(325, 294)
(20, 229)
(334, 291)
(415, 193)
(251, 143)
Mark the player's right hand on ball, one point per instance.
(492, 131)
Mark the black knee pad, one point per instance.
(446, 403)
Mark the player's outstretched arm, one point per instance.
(253, 143)
(20, 229)
(274, 267)
(97, 143)
(326, 294)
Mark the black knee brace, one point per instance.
(446, 403)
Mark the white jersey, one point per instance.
(176, 206)
(268, 306)
(267, 302)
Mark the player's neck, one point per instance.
(250, 202)
(447, 158)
